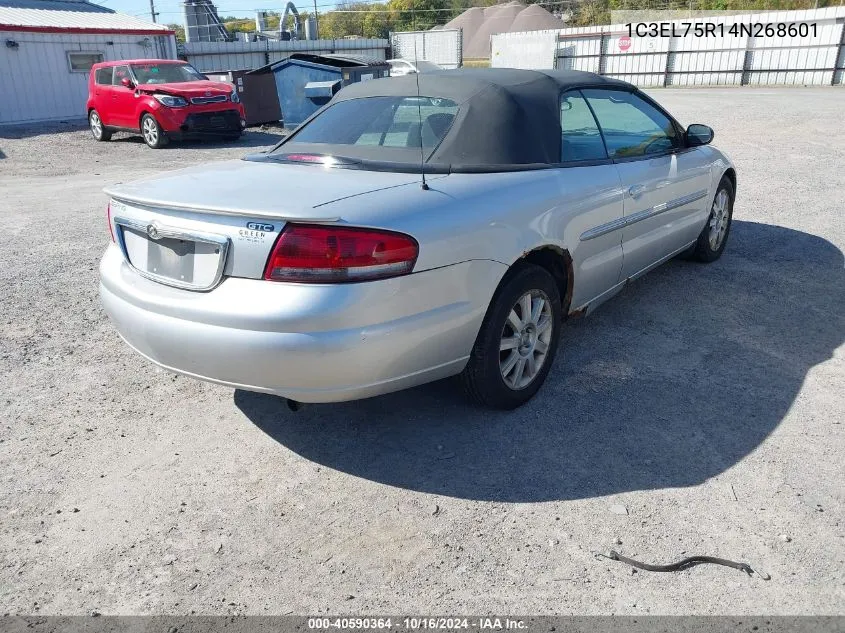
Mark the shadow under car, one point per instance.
(670, 383)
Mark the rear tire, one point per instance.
(153, 135)
(98, 130)
(517, 343)
(714, 236)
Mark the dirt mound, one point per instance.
(479, 24)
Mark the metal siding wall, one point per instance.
(839, 73)
(690, 60)
(443, 47)
(535, 50)
(643, 63)
(578, 54)
(222, 56)
(35, 79)
(796, 60)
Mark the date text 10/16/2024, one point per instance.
(720, 29)
(416, 623)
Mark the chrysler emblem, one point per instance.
(152, 231)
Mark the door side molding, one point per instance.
(604, 229)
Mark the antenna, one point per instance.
(423, 185)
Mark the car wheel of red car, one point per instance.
(153, 134)
(98, 130)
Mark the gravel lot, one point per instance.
(700, 412)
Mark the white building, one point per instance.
(803, 47)
(47, 48)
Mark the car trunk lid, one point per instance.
(257, 189)
(193, 227)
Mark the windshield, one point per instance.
(376, 128)
(165, 73)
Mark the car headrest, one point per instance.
(434, 128)
(414, 137)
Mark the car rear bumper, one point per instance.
(307, 342)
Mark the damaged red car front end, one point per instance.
(163, 100)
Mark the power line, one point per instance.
(332, 8)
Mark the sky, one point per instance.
(170, 11)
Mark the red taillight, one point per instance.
(329, 254)
(108, 218)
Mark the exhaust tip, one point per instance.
(293, 405)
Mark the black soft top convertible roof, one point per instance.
(506, 116)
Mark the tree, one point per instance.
(180, 32)
(338, 24)
(419, 15)
(376, 23)
(239, 25)
(376, 20)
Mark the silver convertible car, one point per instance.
(414, 228)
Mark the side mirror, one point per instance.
(126, 82)
(698, 134)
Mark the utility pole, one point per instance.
(316, 22)
(153, 13)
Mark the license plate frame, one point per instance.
(171, 251)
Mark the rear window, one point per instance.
(374, 122)
(104, 76)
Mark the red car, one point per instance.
(162, 99)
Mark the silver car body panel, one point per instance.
(666, 195)
(331, 342)
(308, 342)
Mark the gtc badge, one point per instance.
(152, 231)
(258, 226)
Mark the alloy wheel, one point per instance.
(96, 125)
(526, 339)
(719, 218)
(150, 131)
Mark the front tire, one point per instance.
(98, 130)
(517, 343)
(153, 135)
(714, 236)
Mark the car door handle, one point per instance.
(635, 191)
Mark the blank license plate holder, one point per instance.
(171, 258)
